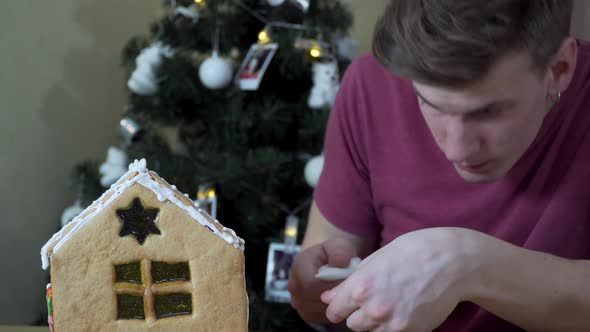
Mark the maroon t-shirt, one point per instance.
(385, 176)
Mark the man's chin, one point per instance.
(483, 177)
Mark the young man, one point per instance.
(461, 154)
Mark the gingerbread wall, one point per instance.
(85, 287)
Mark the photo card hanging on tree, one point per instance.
(207, 199)
(278, 266)
(254, 65)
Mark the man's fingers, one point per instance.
(358, 321)
(339, 252)
(342, 304)
(329, 295)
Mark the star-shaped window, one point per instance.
(138, 221)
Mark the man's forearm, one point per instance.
(536, 291)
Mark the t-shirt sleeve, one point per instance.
(343, 194)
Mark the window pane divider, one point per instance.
(150, 313)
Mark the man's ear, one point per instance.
(563, 66)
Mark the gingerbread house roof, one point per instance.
(139, 174)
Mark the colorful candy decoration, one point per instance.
(49, 308)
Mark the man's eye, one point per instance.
(487, 113)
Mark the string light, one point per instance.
(291, 231)
(204, 194)
(263, 37)
(315, 51)
(201, 3)
(207, 199)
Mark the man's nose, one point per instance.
(461, 143)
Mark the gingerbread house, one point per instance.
(144, 257)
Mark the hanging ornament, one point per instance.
(143, 80)
(114, 167)
(275, 3)
(129, 130)
(190, 12)
(186, 17)
(207, 200)
(255, 64)
(326, 83)
(215, 72)
(302, 5)
(71, 212)
(313, 170)
(279, 261)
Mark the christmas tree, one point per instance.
(229, 100)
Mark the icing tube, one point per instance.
(329, 273)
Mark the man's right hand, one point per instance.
(305, 289)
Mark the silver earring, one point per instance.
(557, 97)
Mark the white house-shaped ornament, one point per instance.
(143, 257)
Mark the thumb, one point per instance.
(339, 252)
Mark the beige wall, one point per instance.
(581, 19)
(366, 13)
(62, 94)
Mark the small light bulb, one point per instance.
(291, 231)
(315, 52)
(211, 193)
(263, 37)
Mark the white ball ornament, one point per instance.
(275, 3)
(313, 170)
(215, 72)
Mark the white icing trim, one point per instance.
(162, 192)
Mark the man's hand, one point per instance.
(412, 284)
(305, 289)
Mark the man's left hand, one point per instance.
(412, 284)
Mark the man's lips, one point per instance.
(473, 167)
